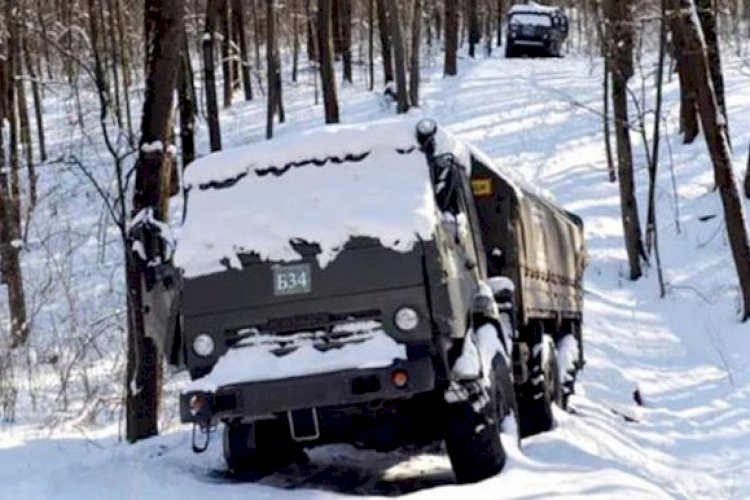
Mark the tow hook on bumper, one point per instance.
(200, 408)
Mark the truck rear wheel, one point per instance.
(261, 447)
(536, 395)
(472, 433)
(569, 361)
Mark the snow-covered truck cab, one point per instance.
(534, 28)
(329, 281)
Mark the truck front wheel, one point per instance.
(473, 427)
(260, 448)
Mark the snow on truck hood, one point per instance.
(322, 186)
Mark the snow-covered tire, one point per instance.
(552, 387)
(260, 448)
(510, 51)
(535, 396)
(472, 434)
(567, 373)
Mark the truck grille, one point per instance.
(323, 331)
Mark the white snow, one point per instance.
(386, 195)
(533, 7)
(531, 19)
(567, 355)
(370, 347)
(152, 147)
(687, 353)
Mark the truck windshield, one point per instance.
(531, 19)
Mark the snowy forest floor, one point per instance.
(687, 353)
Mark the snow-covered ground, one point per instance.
(687, 354)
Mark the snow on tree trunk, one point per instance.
(164, 28)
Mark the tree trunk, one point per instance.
(124, 61)
(451, 37)
(619, 17)
(238, 16)
(185, 93)
(399, 57)
(255, 9)
(25, 129)
(295, 42)
(707, 16)
(226, 52)
(209, 74)
(606, 120)
(115, 55)
(475, 35)
(688, 97)
(10, 207)
(164, 25)
(327, 78)
(37, 96)
(345, 36)
(652, 236)
(500, 21)
(715, 130)
(271, 66)
(371, 42)
(385, 41)
(416, 36)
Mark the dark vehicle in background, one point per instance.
(376, 344)
(535, 29)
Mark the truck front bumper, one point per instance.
(264, 398)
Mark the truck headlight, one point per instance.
(204, 345)
(406, 319)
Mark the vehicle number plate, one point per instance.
(291, 280)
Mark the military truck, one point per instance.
(380, 285)
(536, 29)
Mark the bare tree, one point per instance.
(371, 43)
(399, 57)
(688, 94)
(238, 27)
(385, 41)
(652, 235)
(416, 36)
(330, 99)
(619, 16)
(209, 74)
(10, 203)
(475, 34)
(227, 68)
(271, 60)
(707, 17)
(717, 141)
(500, 21)
(344, 29)
(186, 104)
(164, 24)
(451, 37)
